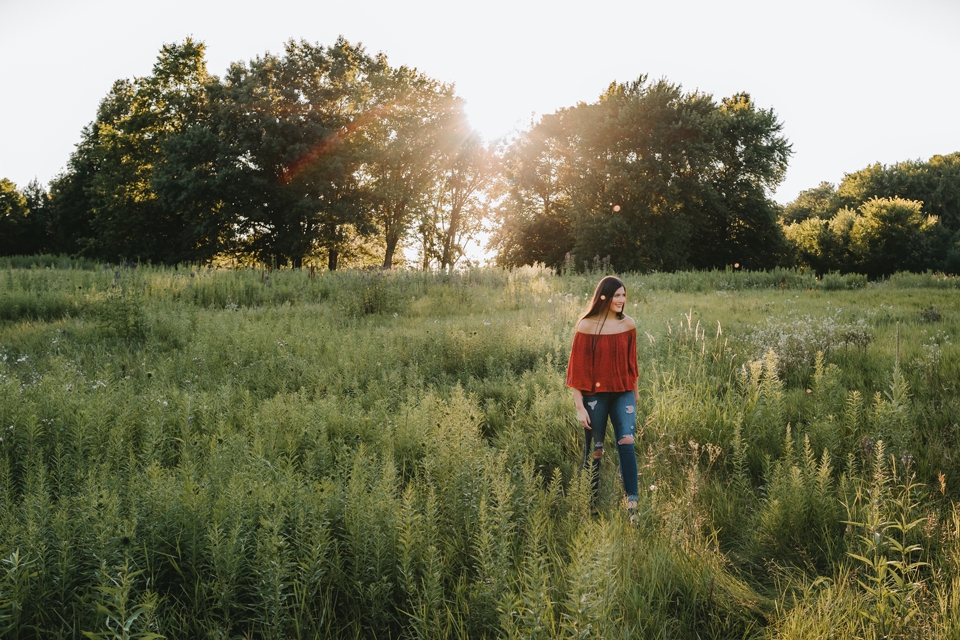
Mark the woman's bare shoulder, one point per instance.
(587, 325)
(592, 326)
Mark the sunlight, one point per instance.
(493, 119)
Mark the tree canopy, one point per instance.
(655, 177)
(308, 153)
(881, 219)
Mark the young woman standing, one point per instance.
(603, 375)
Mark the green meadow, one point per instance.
(216, 453)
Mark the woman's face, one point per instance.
(619, 300)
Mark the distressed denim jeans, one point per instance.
(621, 409)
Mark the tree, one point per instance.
(533, 192)
(749, 161)
(890, 235)
(823, 245)
(286, 168)
(658, 178)
(23, 222)
(70, 208)
(13, 219)
(106, 205)
(405, 142)
(934, 184)
(818, 202)
(637, 155)
(458, 204)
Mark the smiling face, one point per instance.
(610, 296)
(619, 300)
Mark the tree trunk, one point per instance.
(392, 233)
(388, 254)
(446, 258)
(333, 257)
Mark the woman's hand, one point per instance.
(583, 417)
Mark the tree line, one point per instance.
(320, 151)
(332, 154)
(881, 219)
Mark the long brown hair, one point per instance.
(603, 297)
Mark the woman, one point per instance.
(603, 375)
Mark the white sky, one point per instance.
(853, 81)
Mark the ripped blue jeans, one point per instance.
(621, 408)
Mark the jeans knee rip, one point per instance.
(625, 440)
(630, 409)
(597, 449)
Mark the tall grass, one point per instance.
(242, 453)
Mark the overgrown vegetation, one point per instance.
(213, 453)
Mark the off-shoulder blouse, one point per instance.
(605, 362)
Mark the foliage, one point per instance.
(890, 236)
(414, 115)
(798, 339)
(13, 218)
(281, 151)
(654, 177)
(883, 237)
(913, 206)
(811, 203)
(287, 158)
(127, 218)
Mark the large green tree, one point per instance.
(655, 177)
(933, 184)
(133, 124)
(890, 235)
(13, 218)
(458, 205)
(412, 118)
(533, 196)
(106, 204)
(283, 151)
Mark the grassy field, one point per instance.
(201, 453)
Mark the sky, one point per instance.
(853, 82)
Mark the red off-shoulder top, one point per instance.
(605, 362)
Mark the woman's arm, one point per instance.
(632, 359)
(582, 416)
